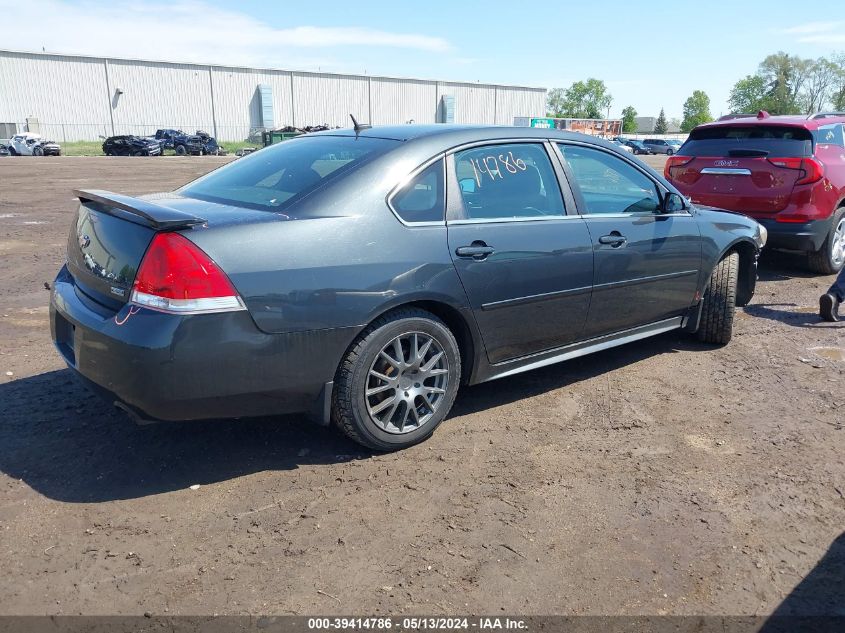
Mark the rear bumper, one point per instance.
(808, 236)
(169, 367)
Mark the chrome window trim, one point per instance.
(533, 218)
(411, 175)
(634, 215)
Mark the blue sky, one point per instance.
(650, 54)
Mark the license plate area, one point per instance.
(65, 335)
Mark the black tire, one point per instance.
(349, 401)
(717, 313)
(37, 151)
(180, 150)
(12, 151)
(824, 260)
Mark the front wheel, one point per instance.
(180, 150)
(398, 381)
(37, 151)
(830, 258)
(717, 313)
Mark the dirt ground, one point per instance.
(660, 477)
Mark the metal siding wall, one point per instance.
(514, 102)
(235, 101)
(474, 103)
(159, 95)
(66, 94)
(70, 97)
(398, 100)
(324, 98)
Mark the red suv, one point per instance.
(786, 172)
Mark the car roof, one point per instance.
(793, 120)
(449, 134)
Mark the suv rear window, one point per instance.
(278, 176)
(749, 141)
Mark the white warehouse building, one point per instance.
(73, 97)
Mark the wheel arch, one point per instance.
(458, 320)
(747, 274)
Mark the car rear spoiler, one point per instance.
(155, 215)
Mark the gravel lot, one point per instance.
(661, 477)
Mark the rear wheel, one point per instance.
(669, 152)
(717, 313)
(830, 258)
(398, 381)
(12, 151)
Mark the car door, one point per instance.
(646, 260)
(526, 265)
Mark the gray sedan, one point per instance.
(362, 275)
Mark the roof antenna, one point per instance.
(359, 126)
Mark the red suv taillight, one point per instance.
(177, 276)
(672, 162)
(812, 169)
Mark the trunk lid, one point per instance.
(737, 167)
(109, 239)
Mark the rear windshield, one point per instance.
(277, 176)
(749, 141)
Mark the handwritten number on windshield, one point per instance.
(493, 166)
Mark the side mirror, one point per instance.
(467, 185)
(673, 203)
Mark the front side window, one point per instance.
(277, 176)
(506, 181)
(421, 199)
(609, 184)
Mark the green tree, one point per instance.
(837, 93)
(785, 76)
(820, 83)
(582, 100)
(661, 126)
(696, 110)
(748, 95)
(629, 120)
(556, 102)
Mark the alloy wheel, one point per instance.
(407, 382)
(837, 247)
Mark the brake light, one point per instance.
(177, 276)
(812, 169)
(674, 161)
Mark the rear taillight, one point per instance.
(675, 161)
(177, 276)
(812, 170)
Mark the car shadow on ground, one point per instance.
(783, 266)
(790, 314)
(70, 445)
(817, 603)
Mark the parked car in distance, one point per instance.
(30, 144)
(638, 147)
(166, 137)
(328, 274)
(243, 151)
(622, 146)
(199, 144)
(662, 146)
(128, 145)
(4, 150)
(787, 172)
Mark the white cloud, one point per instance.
(824, 38)
(187, 30)
(812, 27)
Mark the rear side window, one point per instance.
(609, 184)
(422, 199)
(277, 176)
(514, 180)
(830, 135)
(750, 141)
